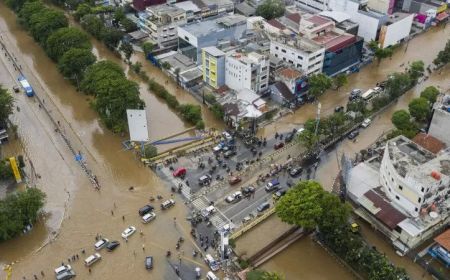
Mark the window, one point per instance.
(283, 50)
(276, 47)
(416, 209)
(276, 55)
(263, 86)
(390, 190)
(400, 187)
(397, 197)
(299, 57)
(392, 179)
(186, 38)
(290, 61)
(419, 200)
(422, 189)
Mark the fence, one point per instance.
(252, 224)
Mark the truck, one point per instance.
(26, 86)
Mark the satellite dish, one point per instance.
(433, 215)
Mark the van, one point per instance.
(65, 275)
(167, 204)
(205, 179)
(208, 211)
(211, 276)
(211, 262)
(146, 209)
(92, 259)
(63, 268)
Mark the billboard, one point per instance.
(137, 125)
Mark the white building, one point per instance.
(246, 71)
(440, 123)
(302, 53)
(412, 177)
(161, 22)
(396, 29)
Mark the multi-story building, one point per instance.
(300, 52)
(312, 5)
(192, 37)
(213, 67)
(140, 5)
(440, 122)
(161, 22)
(413, 177)
(247, 71)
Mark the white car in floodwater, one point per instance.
(128, 232)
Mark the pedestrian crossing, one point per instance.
(218, 221)
(200, 203)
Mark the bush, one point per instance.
(5, 170)
(200, 124)
(150, 151)
(379, 102)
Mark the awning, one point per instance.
(442, 16)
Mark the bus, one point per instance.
(26, 86)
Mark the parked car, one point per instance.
(211, 276)
(338, 109)
(128, 231)
(234, 180)
(148, 217)
(62, 269)
(204, 180)
(146, 209)
(179, 172)
(167, 204)
(92, 259)
(218, 148)
(234, 197)
(272, 185)
(149, 262)
(279, 194)
(112, 245)
(263, 207)
(366, 123)
(66, 275)
(248, 191)
(289, 137)
(278, 145)
(229, 153)
(294, 172)
(353, 134)
(101, 243)
(355, 94)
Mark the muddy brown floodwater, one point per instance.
(89, 212)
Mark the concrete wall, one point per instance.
(396, 32)
(440, 126)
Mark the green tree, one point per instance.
(420, 109)
(74, 63)
(18, 210)
(112, 102)
(416, 70)
(318, 84)
(45, 22)
(93, 25)
(65, 39)
(136, 67)
(301, 205)
(166, 65)
(119, 14)
(308, 139)
(148, 47)
(150, 151)
(271, 276)
(82, 10)
(6, 105)
(380, 53)
(99, 76)
(6, 172)
(339, 81)
(401, 120)
(29, 9)
(357, 106)
(397, 84)
(16, 5)
(128, 25)
(127, 50)
(191, 113)
(111, 37)
(270, 9)
(443, 56)
(430, 93)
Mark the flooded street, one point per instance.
(89, 212)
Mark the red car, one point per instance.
(234, 180)
(180, 172)
(279, 145)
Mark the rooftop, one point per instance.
(414, 162)
(165, 9)
(214, 25)
(245, 9)
(444, 240)
(318, 20)
(214, 51)
(276, 23)
(247, 58)
(300, 43)
(334, 41)
(187, 6)
(336, 15)
(429, 142)
(397, 16)
(284, 90)
(295, 17)
(289, 73)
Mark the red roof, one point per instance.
(442, 16)
(387, 213)
(276, 23)
(444, 240)
(333, 41)
(318, 20)
(429, 142)
(290, 73)
(294, 17)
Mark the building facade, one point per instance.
(302, 53)
(440, 122)
(195, 36)
(213, 67)
(247, 71)
(161, 22)
(140, 5)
